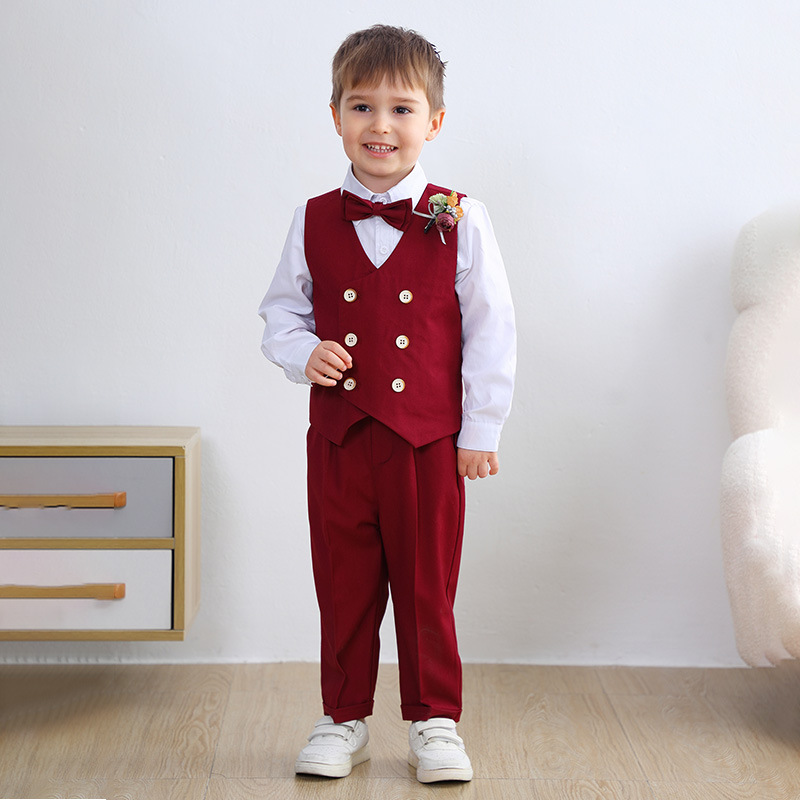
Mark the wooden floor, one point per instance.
(232, 733)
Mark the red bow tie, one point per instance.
(397, 214)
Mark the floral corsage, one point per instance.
(444, 212)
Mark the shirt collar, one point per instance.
(412, 186)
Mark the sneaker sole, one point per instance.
(435, 775)
(332, 770)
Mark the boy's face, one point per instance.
(383, 129)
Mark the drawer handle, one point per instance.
(112, 500)
(87, 591)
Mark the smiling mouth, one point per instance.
(381, 149)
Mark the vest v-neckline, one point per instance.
(391, 255)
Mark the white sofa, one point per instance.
(761, 469)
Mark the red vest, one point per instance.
(400, 323)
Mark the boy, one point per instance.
(385, 301)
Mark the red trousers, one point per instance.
(385, 514)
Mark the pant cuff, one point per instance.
(348, 712)
(424, 713)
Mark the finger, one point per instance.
(322, 374)
(338, 356)
(323, 380)
(324, 363)
(329, 370)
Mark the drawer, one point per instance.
(146, 482)
(147, 575)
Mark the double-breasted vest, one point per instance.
(401, 324)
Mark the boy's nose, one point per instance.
(380, 123)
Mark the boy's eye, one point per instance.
(402, 110)
(361, 107)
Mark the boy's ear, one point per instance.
(436, 125)
(337, 120)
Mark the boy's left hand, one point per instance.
(477, 463)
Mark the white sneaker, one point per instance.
(334, 749)
(437, 751)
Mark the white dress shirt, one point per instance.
(488, 339)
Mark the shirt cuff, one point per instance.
(477, 435)
(295, 369)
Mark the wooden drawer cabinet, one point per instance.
(99, 532)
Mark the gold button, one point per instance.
(406, 296)
(398, 384)
(351, 339)
(401, 341)
(350, 295)
(350, 384)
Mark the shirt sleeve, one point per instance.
(489, 345)
(287, 308)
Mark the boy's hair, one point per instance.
(366, 57)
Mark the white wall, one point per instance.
(151, 154)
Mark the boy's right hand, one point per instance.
(327, 362)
